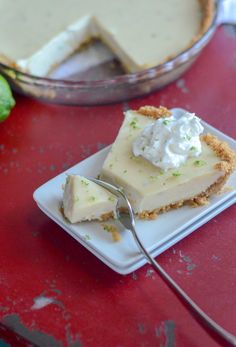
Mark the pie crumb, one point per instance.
(225, 189)
(111, 228)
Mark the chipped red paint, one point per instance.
(91, 305)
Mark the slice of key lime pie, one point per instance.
(163, 162)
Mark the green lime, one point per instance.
(7, 101)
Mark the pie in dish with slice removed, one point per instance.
(36, 36)
(187, 170)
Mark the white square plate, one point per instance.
(158, 235)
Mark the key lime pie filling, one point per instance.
(85, 200)
(36, 36)
(161, 162)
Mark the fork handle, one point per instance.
(210, 323)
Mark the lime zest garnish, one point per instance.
(87, 237)
(111, 198)
(92, 198)
(166, 121)
(199, 163)
(84, 183)
(76, 199)
(176, 174)
(133, 124)
(152, 178)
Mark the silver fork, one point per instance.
(128, 221)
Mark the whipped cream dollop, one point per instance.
(169, 142)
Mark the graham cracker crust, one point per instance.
(106, 216)
(208, 10)
(154, 112)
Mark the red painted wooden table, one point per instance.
(88, 304)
